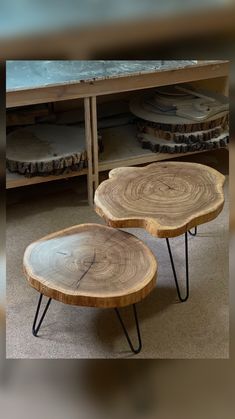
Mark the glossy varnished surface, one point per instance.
(166, 199)
(91, 265)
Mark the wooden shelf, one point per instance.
(15, 180)
(103, 84)
(121, 148)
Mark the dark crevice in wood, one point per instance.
(89, 267)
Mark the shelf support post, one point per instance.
(95, 142)
(88, 135)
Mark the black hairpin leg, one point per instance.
(182, 299)
(35, 328)
(137, 350)
(195, 232)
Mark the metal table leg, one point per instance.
(138, 349)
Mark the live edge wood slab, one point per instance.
(167, 199)
(91, 265)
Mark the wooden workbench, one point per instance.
(34, 82)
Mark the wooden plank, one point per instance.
(138, 160)
(95, 142)
(14, 180)
(88, 131)
(200, 71)
(91, 265)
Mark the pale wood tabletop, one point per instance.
(167, 199)
(91, 265)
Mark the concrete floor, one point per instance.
(195, 329)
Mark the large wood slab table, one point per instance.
(167, 199)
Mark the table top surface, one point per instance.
(28, 75)
(167, 199)
(91, 265)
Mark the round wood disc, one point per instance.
(91, 265)
(45, 148)
(159, 145)
(139, 106)
(167, 199)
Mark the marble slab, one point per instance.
(23, 75)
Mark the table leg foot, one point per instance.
(195, 232)
(35, 328)
(182, 299)
(134, 350)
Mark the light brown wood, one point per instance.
(88, 130)
(95, 142)
(201, 71)
(2, 316)
(91, 265)
(204, 72)
(218, 85)
(46, 149)
(127, 152)
(121, 148)
(15, 180)
(167, 199)
(193, 118)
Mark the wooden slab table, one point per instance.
(166, 199)
(91, 265)
(34, 82)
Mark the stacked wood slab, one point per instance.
(178, 119)
(44, 149)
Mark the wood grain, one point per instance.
(46, 149)
(91, 265)
(166, 199)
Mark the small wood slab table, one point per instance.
(91, 265)
(167, 199)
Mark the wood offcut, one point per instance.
(177, 119)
